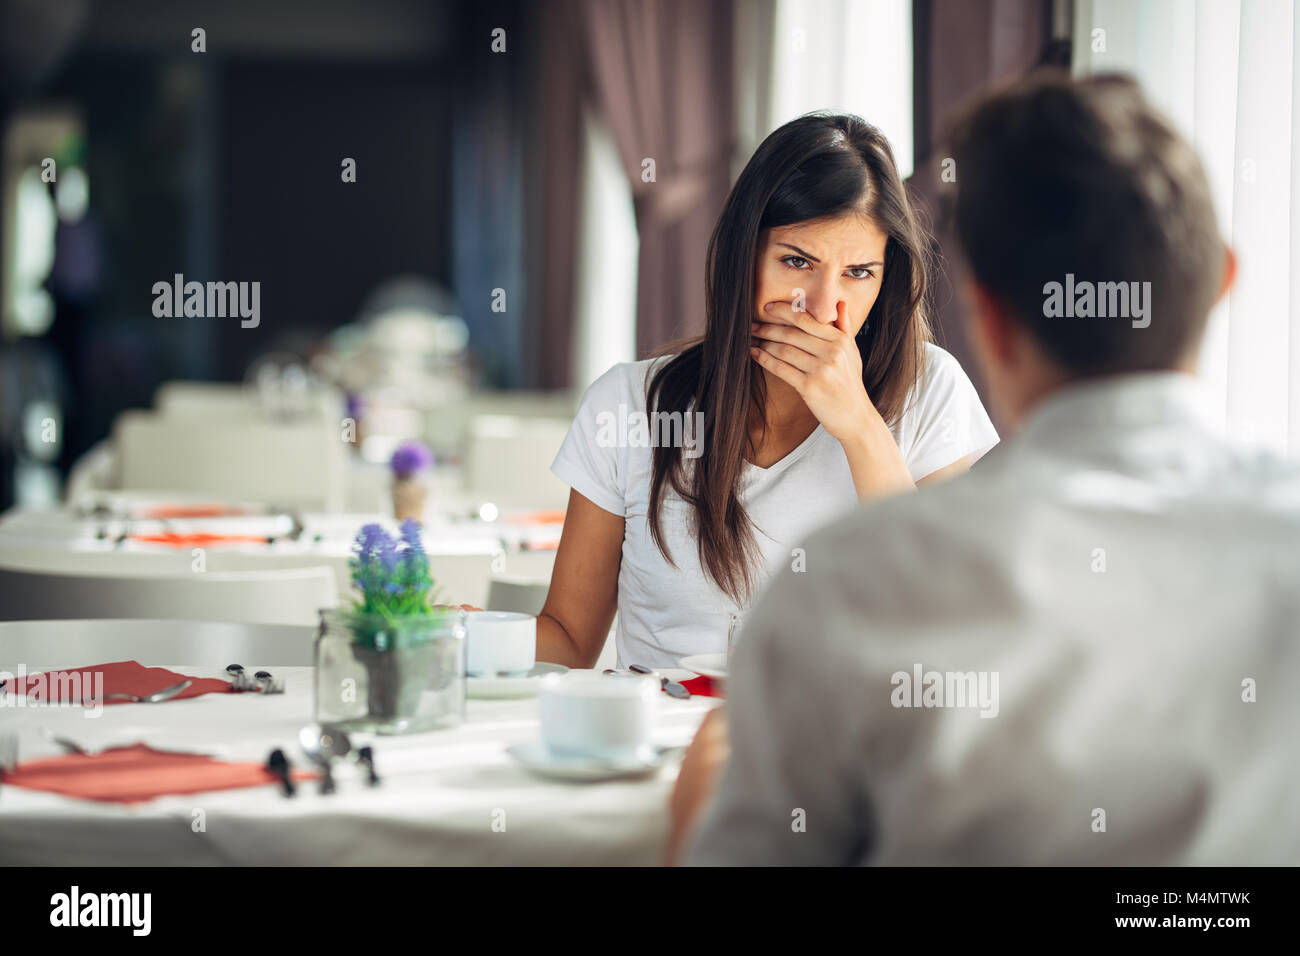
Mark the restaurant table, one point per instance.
(447, 797)
(465, 553)
(446, 531)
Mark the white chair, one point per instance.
(215, 400)
(461, 578)
(64, 643)
(205, 399)
(51, 555)
(523, 595)
(508, 461)
(300, 464)
(282, 596)
(447, 424)
(94, 471)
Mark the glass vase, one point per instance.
(390, 676)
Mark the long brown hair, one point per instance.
(815, 167)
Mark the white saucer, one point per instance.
(706, 665)
(537, 757)
(500, 688)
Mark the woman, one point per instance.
(816, 386)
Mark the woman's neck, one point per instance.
(785, 412)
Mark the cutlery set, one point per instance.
(105, 517)
(671, 687)
(262, 681)
(323, 746)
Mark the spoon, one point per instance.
(323, 745)
(671, 687)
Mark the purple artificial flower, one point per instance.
(391, 574)
(370, 540)
(410, 457)
(374, 544)
(411, 536)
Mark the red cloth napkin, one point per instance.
(555, 516)
(122, 677)
(196, 510)
(138, 773)
(704, 687)
(174, 539)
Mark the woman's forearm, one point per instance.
(877, 463)
(555, 645)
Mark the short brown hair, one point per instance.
(1059, 177)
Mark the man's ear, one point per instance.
(1229, 273)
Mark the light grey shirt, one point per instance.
(1086, 651)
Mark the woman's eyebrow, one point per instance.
(812, 258)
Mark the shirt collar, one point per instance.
(1118, 402)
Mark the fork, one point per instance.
(157, 697)
(8, 752)
(72, 747)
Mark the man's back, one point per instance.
(1086, 651)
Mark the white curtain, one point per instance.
(845, 56)
(1226, 72)
(606, 280)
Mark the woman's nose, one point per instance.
(822, 307)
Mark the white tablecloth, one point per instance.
(464, 553)
(325, 535)
(449, 797)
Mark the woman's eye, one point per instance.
(795, 262)
(865, 273)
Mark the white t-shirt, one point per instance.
(666, 612)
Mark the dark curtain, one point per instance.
(560, 87)
(960, 48)
(661, 70)
(488, 162)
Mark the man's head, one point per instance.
(1091, 235)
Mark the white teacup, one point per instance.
(499, 642)
(598, 716)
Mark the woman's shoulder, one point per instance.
(626, 380)
(939, 361)
(941, 373)
(940, 379)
